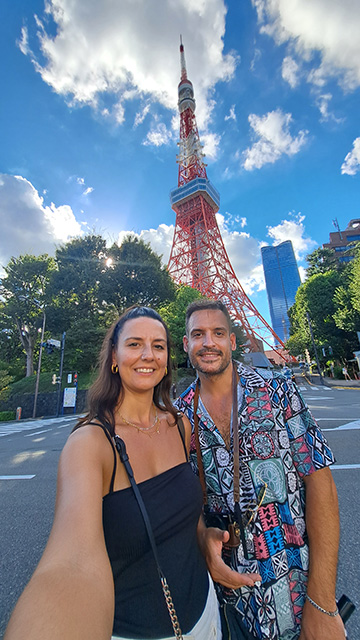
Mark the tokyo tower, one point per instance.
(198, 256)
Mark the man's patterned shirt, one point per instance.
(280, 443)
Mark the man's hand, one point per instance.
(316, 625)
(211, 542)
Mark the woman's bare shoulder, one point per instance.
(87, 446)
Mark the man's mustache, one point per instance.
(202, 352)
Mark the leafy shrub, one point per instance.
(7, 415)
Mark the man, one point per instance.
(283, 460)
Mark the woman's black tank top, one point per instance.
(173, 501)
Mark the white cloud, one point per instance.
(88, 190)
(232, 114)
(274, 139)
(351, 164)
(292, 229)
(211, 144)
(141, 115)
(323, 104)
(328, 27)
(158, 136)
(23, 42)
(244, 255)
(290, 71)
(26, 224)
(126, 49)
(160, 239)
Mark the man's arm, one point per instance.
(211, 542)
(322, 524)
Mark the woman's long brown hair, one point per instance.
(107, 390)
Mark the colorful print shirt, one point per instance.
(279, 443)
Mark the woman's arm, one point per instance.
(71, 594)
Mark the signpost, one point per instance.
(69, 397)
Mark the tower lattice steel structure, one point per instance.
(198, 256)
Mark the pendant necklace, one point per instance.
(144, 429)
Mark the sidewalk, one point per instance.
(314, 379)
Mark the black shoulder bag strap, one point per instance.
(120, 446)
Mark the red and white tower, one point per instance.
(198, 256)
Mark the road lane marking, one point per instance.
(345, 466)
(30, 435)
(11, 428)
(17, 477)
(344, 427)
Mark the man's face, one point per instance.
(209, 342)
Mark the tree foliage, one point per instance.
(80, 294)
(319, 297)
(135, 275)
(23, 289)
(321, 260)
(5, 380)
(173, 314)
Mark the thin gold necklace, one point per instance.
(144, 429)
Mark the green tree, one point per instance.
(173, 314)
(5, 380)
(135, 275)
(321, 260)
(82, 345)
(347, 298)
(74, 285)
(23, 290)
(316, 296)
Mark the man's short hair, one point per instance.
(204, 304)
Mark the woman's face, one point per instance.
(141, 353)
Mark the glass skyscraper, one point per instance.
(282, 281)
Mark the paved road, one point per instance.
(29, 453)
(337, 411)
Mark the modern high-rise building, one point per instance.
(282, 282)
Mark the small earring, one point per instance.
(114, 368)
(166, 371)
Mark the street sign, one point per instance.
(69, 397)
(54, 343)
(69, 378)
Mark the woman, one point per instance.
(99, 540)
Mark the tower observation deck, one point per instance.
(198, 256)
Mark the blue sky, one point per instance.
(89, 123)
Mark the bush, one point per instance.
(338, 374)
(7, 415)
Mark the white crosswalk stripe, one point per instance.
(10, 428)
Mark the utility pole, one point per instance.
(39, 365)
(314, 347)
(60, 373)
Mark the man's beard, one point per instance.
(223, 364)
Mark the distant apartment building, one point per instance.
(340, 241)
(282, 282)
